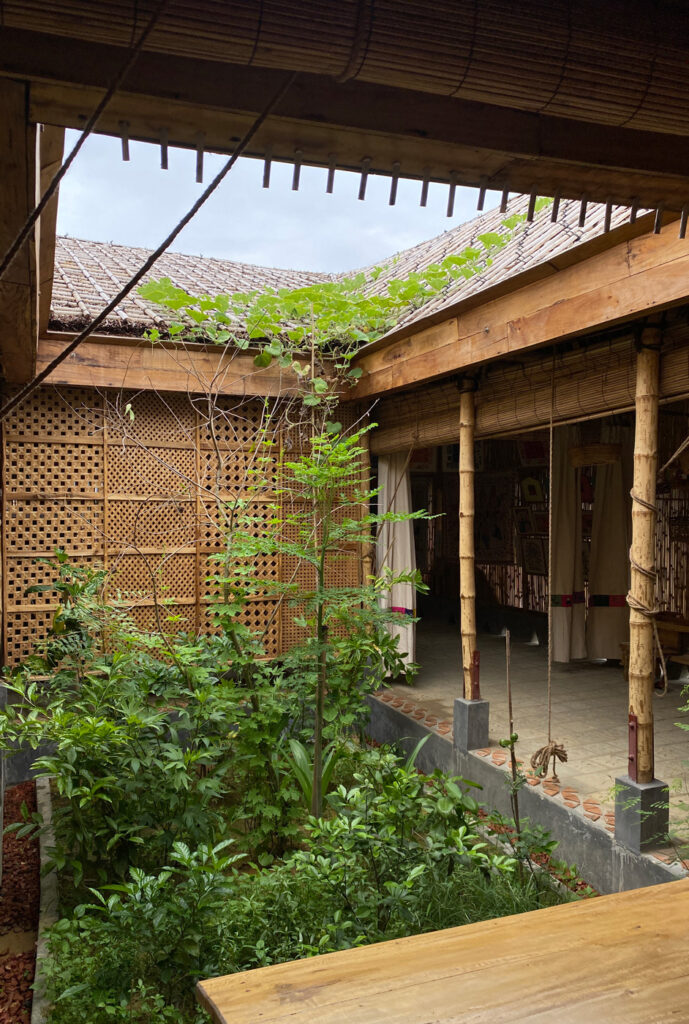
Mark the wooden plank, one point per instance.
(18, 291)
(51, 148)
(518, 149)
(617, 285)
(616, 959)
(137, 364)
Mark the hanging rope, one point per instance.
(31, 386)
(88, 128)
(541, 759)
(639, 606)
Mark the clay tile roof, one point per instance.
(88, 274)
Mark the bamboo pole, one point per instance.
(643, 576)
(467, 578)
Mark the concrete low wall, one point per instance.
(587, 845)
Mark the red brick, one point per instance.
(431, 721)
(591, 815)
(551, 788)
(419, 714)
(397, 702)
(443, 729)
(499, 757)
(408, 706)
(533, 781)
(387, 697)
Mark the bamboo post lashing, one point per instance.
(641, 598)
(467, 577)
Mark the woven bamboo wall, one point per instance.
(136, 492)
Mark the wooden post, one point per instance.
(467, 580)
(642, 592)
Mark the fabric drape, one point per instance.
(567, 597)
(395, 548)
(608, 616)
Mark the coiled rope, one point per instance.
(639, 606)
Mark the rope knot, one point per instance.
(541, 759)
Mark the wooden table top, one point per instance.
(611, 960)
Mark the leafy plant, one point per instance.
(139, 754)
(316, 330)
(302, 769)
(320, 520)
(136, 954)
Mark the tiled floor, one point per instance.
(589, 711)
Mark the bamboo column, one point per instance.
(467, 576)
(642, 555)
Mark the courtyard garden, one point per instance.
(215, 809)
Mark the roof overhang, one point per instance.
(447, 93)
(610, 280)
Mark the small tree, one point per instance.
(320, 521)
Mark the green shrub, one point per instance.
(135, 954)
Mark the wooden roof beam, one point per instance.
(135, 364)
(426, 134)
(18, 289)
(622, 283)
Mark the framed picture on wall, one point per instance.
(534, 556)
(523, 520)
(531, 490)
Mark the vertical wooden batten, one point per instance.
(641, 599)
(367, 556)
(467, 580)
(18, 290)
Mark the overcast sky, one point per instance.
(136, 203)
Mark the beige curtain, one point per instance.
(395, 547)
(608, 617)
(567, 595)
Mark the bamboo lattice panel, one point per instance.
(137, 482)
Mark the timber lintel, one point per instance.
(136, 364)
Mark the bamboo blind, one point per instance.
(614, 63)
(592, 381)
(134, 495)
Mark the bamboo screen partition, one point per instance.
(130, 491)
